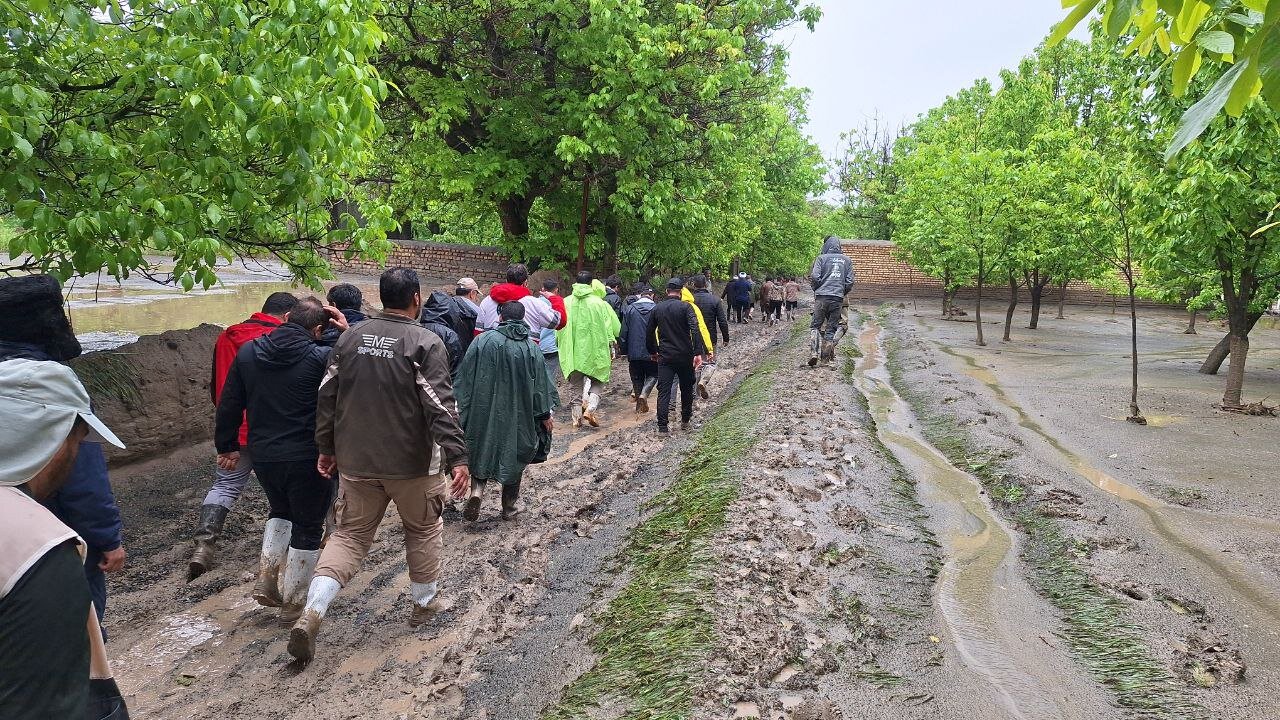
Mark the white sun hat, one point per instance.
(39, 403)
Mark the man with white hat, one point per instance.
(48, 630)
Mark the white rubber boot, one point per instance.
(302, 638)
(423, 594)
(275, 547)
(294, 582)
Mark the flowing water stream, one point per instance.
(993, 616)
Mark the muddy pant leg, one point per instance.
(706, 372)
(420, 502)
(228, 484)
(685, 372)
(639, 373)
(826, 315)
(590, 392)
(666, 378)
(361, 505)
(310, 496)
(553, 371)
(651, 377)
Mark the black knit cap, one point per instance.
(31, 313)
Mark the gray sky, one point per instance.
(899, 59)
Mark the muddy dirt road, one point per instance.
(915, 531)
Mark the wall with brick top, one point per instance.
(881, 275)
(485, 264)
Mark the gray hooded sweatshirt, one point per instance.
(832, 273)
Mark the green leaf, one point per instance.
(1198, 116)
(1118, 14)
(1069, 23)
(1217, 41)
(1185, 66)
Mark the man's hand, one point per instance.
(461, 482)
(654, 357)
(325, 465)
(549, 424)
(229, 460)
(336, 318)
(697, 361)
(112, 560)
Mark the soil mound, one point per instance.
(153, 393)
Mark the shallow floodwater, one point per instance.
(141, 310)
(981, 592)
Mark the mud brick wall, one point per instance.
(881, 275)
(485, 264)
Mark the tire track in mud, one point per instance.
(995, 619)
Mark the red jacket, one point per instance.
(557, 304)
(224, 354)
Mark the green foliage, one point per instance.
(1241, 35)
(196, 131)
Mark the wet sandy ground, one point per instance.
(1054, 400)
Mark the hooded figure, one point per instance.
(585, 355)
(505, 399)
(832, 279)
(435, 317)
(687, 296)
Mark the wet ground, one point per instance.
(863, 570)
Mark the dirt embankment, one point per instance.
(153, 393)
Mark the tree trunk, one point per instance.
(946, 303)
(582, 224)
(1191, 324)
(1062, 299)
(1037, 295)
(1013, 305)
(1222, 350)
(1134, 413)
(514, 213)
(1235, 371)
(977, 311)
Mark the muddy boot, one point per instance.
(471, 512)
(302, 638)
(212, 520)
(275, 547)
(642, 405)
(684, 425)
(510, 508)
(294, 582)
(423, 594)
(815, 343)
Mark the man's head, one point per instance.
(550, 285)
(345, 296)
(742, 276)
(643, 290)
(674, 286)
(467, 288)
(584, 277)
(699, 282)
(614, 283)
(310, 314)
(509, 311)
(399, 289)
(279, 304)
(517, 274)
(46, 413)
(31, 314)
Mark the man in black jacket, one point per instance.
(348, 299)
(435, 317)
(675, 345)
(612, 288)
(275, 380)
(713, 314)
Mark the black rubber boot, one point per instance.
(510, 493)
(212, 520)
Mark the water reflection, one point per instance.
(150, 310)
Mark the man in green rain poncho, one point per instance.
(586, 357)
(504, 398)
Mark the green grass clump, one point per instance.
(1109, 647)
(109, 375)
(654, 638)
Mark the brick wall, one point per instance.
(485, 264)
(881, 275)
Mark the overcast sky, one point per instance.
(899, 59)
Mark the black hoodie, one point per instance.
(435, 317)
(275, 379)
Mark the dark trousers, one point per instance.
(641, 370)
(740, 309)
(775, 308)
(826, 315)
(299, 494)
(97, 584)
(667, 372)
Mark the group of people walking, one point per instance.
(777, 296)
(338, 414)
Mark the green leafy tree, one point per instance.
(195, 131)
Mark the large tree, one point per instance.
(192, 131)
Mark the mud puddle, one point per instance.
(993, 616)
(1169, 521)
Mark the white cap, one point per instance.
(39, 404)
(742, 275)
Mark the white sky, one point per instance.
(898, 59)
